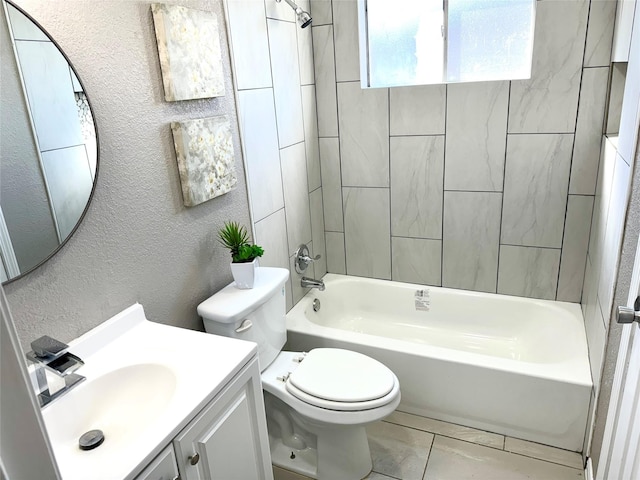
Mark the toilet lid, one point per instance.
(341, 376)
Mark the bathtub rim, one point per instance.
(575, 370)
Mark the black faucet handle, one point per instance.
(46, 346)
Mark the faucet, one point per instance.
(301, 262)
(307, 282)
(54, 367)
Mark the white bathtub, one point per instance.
(510, 365)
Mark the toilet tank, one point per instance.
(256, 314)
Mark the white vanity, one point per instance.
(172, 403)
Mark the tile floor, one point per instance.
(409, 447)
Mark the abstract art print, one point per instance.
(189, 50)
(204, 151)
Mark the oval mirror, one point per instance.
(48, 146)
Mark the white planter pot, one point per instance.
(244, 273)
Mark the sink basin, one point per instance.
(122, 403)
(144, 382)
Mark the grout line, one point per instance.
(504, 181)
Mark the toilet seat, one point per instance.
(275, 381)
(342, 380)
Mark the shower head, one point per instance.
(304, 19)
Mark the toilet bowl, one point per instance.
(317, 403)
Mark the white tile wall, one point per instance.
(476, 136)
(574, 247)
(336, 258)
(286, 82)
(367, 232)
(499, 138)
(311, 136)
(345, 16)
(250, 44)
(535, 189)
(417, 164)
(586, 151)
(602, 16)
(279, 132)
(408, 106)
(296, 195)
(528, 271)
(416, 260)
(470, 240)
(547, 102)
(257, 119)
(325, 69)
(364, 135)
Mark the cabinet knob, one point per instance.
(194, 459)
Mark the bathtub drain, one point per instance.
(316, 304)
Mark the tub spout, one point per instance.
(307, 282)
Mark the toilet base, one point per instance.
(343, 456)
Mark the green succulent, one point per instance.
(235, 237)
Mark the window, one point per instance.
(417, 42)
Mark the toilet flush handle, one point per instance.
(244, 326)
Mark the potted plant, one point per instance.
(244, 255)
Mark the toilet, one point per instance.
(317, 403)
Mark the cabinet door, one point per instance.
(228, 440)
(163, 467)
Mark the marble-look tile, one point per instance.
(543, 452)
(589, 304)
(283, 474)
(535, 189)
(363, 117)
(574, 248)
(630, 114)
(311, 136)
(317, 231)
(476, 136)
(331, 184)
(417, 165)
(286, 82)
(336, 261)
(613, 237)
(547, 103)
(296, 195)
(297, 290)
(586, 150)
(321, 12)
(305, 49)
(271, 234)
(398, 451)
(528, 271)
(602, 15)
(325, 69)
(447, 429)
(418, 110)
(248, 32)
(345, 33)
(257, 119)
(378, 476)
(601, 202)
(618, 77)
(454, 460)
(597, 340)
(367, 232)
(279, 10)
(416, 260)
(471, 235)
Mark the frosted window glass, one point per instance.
(417, 42)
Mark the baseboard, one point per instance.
(588, 470)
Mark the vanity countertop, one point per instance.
(144, 383)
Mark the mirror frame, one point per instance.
(95, 124)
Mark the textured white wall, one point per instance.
(137, 243)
